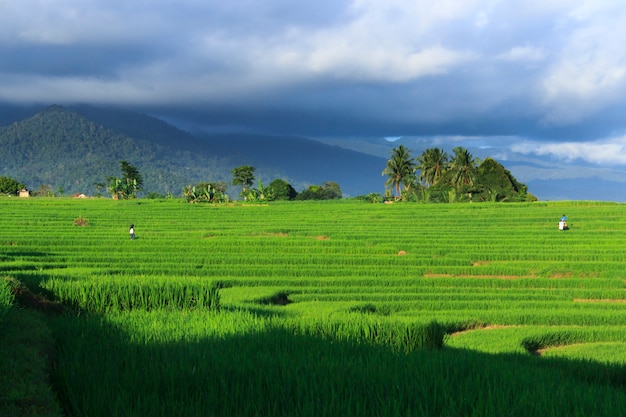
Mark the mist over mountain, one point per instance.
(77, 147)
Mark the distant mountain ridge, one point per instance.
(74, 148)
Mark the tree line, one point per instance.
(449, 178)
(278, 189)
(433, 176)
(130, 183)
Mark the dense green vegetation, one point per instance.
(327, 308)
(9, 186)
(77, 149)
(6, 299)
(26, 346)
(126, 187)
(66, 152)
(434, 176)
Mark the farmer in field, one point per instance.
(563, 223)
(132, 231)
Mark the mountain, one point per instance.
(78, 147)
(300, 161)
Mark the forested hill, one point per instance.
(75, 149)
(60, 148)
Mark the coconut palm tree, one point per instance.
(432, 163)
(463, 168)
(400, 169)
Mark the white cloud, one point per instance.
(381, 63)
(390, 41)
(610, 151)
(589, 73)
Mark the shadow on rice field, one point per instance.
(281, 372)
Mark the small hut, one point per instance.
(24, 192)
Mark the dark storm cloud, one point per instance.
(69, 60)
(542, 72)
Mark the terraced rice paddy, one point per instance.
(329, 308)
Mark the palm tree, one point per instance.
(463, 168)
(432, 164)
(400, 169)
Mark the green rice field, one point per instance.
(334, 308)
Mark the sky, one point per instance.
(538, 77)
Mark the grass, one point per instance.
(327, 308)
(26, 352)
(604, 352)
(6, 299)
(215, 362)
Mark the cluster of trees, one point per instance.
(449, 178)
(210, 192)
(131, 182)
(434, 176)
(126, 187)
(278, 189)
(10, 186)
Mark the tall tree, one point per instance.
(127, 186)
(432, 163)
(463, 168)
(400, 169)
(132, 177)
(244, 176)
